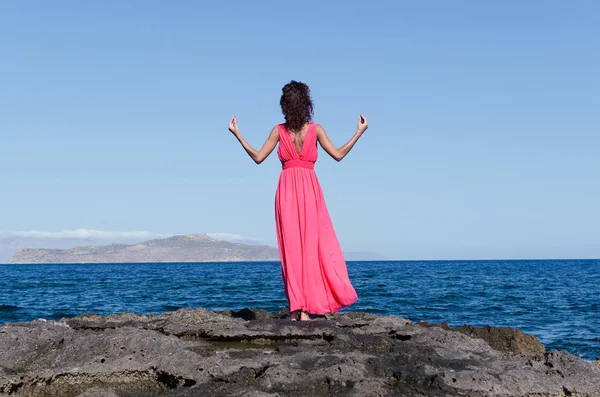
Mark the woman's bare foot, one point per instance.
(294, 316)
(304, 316)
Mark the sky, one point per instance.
(484, 120)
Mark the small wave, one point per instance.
(9, 308)
(57, 315)
(487, 309)
(450, 296)
(231, 288)
(58, 323)
(171, 307)
(452, 278)
(516, 298)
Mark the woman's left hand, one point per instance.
(363, 124)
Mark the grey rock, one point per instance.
(503, 339)
(98, 392)
(196, 352)
(184, 248)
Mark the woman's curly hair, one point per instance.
(296, 105)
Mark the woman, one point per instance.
(315, 277)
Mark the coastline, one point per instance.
(511, 294)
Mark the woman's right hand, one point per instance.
(363, 124)
(233, 126)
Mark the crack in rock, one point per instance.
(72, 384)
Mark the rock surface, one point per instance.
(255, 353)
(184, 248)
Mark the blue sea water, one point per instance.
(556, 300)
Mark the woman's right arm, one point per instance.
(339, 153)
(257, 155)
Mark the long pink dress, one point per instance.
(315, 276)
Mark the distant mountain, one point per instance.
(181, 248)
(9, 245)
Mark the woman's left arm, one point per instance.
(257, 155)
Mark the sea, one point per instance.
(556, 300)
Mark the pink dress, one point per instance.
(315, 277)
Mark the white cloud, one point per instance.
(107, 235)
(233, 237)
(86, 234)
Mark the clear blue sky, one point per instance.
(484, 120)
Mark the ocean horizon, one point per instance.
(555, 300)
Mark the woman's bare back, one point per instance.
(298, 138)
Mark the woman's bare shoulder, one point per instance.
(320, 129)
(275, 131)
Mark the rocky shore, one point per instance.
(256, 353)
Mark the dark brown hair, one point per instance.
(296, 105)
